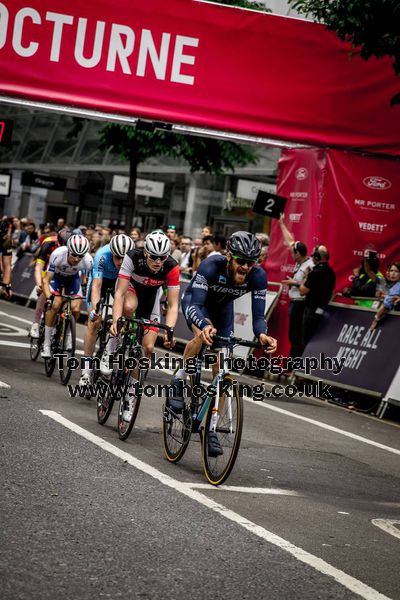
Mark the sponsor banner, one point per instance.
(370, 358)
(300, 180)
(199, 64)
(360, 210)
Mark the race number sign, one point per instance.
(269, 205)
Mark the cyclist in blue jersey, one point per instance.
(106, 265)
(207, 304)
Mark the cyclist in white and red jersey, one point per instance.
(63, 277)
(143, 273)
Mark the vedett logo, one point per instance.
(301, 174)
(374, 227)
(377, 183)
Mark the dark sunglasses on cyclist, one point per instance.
(244, 261)
(75, 255)
(155, 257)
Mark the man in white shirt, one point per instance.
(303, 266)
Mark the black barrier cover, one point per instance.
(23, 280)
(372, 357)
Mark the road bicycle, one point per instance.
(119, 387)
(63, 340)
(217, 409)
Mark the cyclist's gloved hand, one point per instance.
(168, 342)
(268, 341)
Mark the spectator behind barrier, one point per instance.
(317, 289)
(186, 248)
(392, 299)
(368, 280)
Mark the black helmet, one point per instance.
(63, 236)
(244, 245)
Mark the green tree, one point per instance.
(371, 26)
(137, 144)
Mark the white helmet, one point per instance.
(121, 244)
(157, 244)
(78, 245)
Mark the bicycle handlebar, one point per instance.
(147, 323)
(234, 341)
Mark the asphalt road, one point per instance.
(311, 509)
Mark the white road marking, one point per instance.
(388, 525)
(25, 345)
(347, 581)
(29, 322)
(17, 331)
(4, 385)
(341, 512)
(353, 436)
(245, 490)
(14, 344)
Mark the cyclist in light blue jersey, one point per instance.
(106, 266)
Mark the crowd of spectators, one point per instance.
(20, 236)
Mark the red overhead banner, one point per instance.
(199, 64)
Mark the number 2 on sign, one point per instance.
(269, 205)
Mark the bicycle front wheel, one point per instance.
(36, 343)
(228, 427)
(177, 429)
(68, 348)
(106, 395)
(129, 407)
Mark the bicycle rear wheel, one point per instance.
(177, 429)
(68, 348)
(129, 403)
(229, 430)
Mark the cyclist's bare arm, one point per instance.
(46, 284)
(38, 273)
(118, 306)
(95, 292)
(172, 313)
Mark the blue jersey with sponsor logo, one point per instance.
(103, 264)
(211, 289)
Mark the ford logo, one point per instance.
(301, 174)
(377, 183)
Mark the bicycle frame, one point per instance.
(200, 410)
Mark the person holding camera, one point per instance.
(317, 290)
(367, 278)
